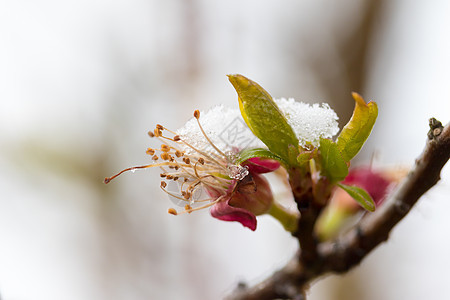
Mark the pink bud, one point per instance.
(373, 182)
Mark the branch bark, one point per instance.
(344, 253)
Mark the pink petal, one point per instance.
(260, 165)
(225, 212)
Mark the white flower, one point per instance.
(199, 156)
(309, 122)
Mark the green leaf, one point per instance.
(333, 165)
(360, 195)
(257, 152)
(292, 153)
(357, 130)
(264, 118)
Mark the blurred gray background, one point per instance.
(81, 83)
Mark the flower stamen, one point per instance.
(108, 179)
(197, 167)
(189, 209)
(197, 116)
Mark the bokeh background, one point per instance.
(81, 83)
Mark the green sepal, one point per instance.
(333, 166)
(360, 195)
(357, 130)
(305, 156)
(246, 154)
(264, 118)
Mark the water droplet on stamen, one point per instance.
(238, 172)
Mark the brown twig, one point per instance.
(302, 190)
(342, 254)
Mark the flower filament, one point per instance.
(193, 169)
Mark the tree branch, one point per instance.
(344, 253)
